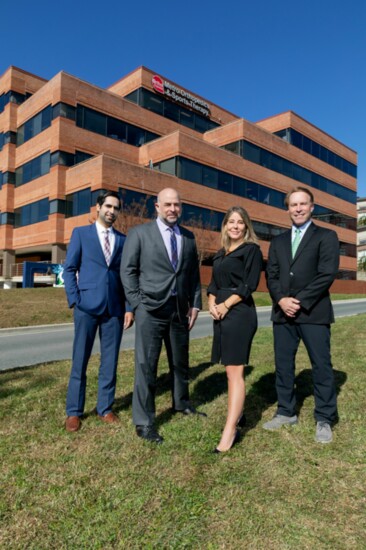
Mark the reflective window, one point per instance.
(210, 177)
(62, 158)
(34, 125)
(78, 203)
(12, 97)
(7, 218)
(164, 107)
(111, 127)
(57, 206)
(33, 169)
(265, 158)
(316, 150)
(31, 213)
(7, 137)
(64, 110)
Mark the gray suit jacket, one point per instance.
(148, 276)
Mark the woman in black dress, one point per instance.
(236, 271)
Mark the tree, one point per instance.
(362, 221)
(361, 266)
(207, 239)
(134, 213)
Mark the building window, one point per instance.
(35, 212)
(62, 158)
(57, 206)
(33, 169)
(210, 177)
(12, 97)
(316, 150)
(7, 137)
(269, 160)
(63, 110)
(34, 125)
(78, 203)
(7, 218)
(168, 109)
(111, 127)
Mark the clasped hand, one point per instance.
(218, 311)
(290, 306)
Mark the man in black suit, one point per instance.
(160, 275)
(302, 265)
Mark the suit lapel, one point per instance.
(183, 244)
(117, 242)
(96, 241)
(305, 240)
(288, 251)
(160, 243)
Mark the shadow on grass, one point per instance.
(262, 394)
(163, 385)
(28, 380)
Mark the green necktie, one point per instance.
(296, 241)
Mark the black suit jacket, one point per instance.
(147, 273)
(306, 277)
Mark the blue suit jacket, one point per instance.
(90, 283)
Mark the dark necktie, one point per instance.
(173, 249)
(107, 247)
(296, 241)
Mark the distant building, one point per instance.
(64, 140)
(361, 236)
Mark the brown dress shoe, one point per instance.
(73, 423)
(109, 418)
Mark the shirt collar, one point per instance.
(101, 229)
(302, 228)
(164, 227)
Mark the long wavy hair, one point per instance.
(249, 235)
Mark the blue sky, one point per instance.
(255, 59)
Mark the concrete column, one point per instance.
(8, 260)
(58, 253)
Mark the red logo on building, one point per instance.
(158, 84)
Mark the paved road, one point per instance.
(29, 346)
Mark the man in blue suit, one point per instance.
(94, 289)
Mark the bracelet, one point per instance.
(226, 305)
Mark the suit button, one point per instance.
(291, 274)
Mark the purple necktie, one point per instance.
(173, 249)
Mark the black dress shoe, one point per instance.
(235, 441)
(191, 410)
(149, 433)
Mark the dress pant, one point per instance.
(316, 339)
(110, 335)
(151, 329)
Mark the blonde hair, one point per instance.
(249, 235)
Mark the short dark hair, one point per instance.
(296, 190)
(105, 194)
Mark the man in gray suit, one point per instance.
(160, 275)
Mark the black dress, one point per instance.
(237, 272)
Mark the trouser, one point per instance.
(316, 339)
(151, 329)
(110, 335)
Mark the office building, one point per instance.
(64, 140)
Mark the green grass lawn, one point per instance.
(103, 488)
(20, 307)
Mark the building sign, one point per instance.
(180, 96)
